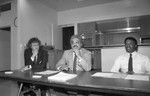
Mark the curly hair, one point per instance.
(33, 40)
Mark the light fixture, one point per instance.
(82, 36)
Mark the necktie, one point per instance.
(35, 59)
(74, 63)
(130, 66)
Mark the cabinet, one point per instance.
(145, 27)
(87, 32)
(96, 59)
(113, 32)
(85, 28)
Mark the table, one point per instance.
(85, 82)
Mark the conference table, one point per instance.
(84, 81)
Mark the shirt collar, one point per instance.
(133, 53)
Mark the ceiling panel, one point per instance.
(61, 5)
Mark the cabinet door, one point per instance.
(145, 27)
(96, 59)
(84, 28)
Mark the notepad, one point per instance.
(109, 75)
(36, 76)
(47, 72)
(100, 74)
(8, 72)
(137, 77)
(61, 77)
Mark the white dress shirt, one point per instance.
(141, 63)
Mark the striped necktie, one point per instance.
(74, 63)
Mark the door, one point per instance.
(67, 33)
(5, 50)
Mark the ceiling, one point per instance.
(61, 5)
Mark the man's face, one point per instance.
(130, 46)
(76, 43)
(35, 46)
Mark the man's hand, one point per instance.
(35, 52)
(63, 68)
(77, 52)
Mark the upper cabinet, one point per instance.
(87, 30)
(145, 27)
(113, 32)
(84, 28)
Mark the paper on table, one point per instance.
(100, 74)
(137, 77)
(36, 76)
(8, 72)
(61, 77)
(109, 75)
(47, 72)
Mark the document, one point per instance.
(8, 72)
(47, 72)
(109, 75)
(101, 74)
(36, 76)
(61, 77)
(137, 77)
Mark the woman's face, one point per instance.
(35, 46)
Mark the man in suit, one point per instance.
(83, 57)
(35, 59)
(68, 61)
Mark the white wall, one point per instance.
(109, 55)
(34, 20)
(125, 8)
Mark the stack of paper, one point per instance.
(47, 72)
(61, 77)
(137, 77)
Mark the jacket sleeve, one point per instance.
(27, 57)
(85, 62)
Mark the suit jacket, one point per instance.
(42, 59)
(67, 60)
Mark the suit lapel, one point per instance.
(38, 57)
(71, 56)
